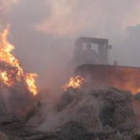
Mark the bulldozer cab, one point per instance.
(100, 46)
(101, 73)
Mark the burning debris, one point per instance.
(74, 82)
(17, 88)
(8, 76)
(30, 80)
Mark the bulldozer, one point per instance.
(102, 48)
(101, 72)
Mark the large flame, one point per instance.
(74, 82)
(7, 57)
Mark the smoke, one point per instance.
(108, 19)
(5, 7)
(63, 18)
(43, 32)
(77, 16)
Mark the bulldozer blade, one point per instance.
(125, 78)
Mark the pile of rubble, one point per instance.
(101, 113)
(82, 114)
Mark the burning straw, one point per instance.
(9, 77)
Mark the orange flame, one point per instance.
(7, 57)
(5, 78)
(74, 82)
(30, 81)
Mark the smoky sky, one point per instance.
(43, 31)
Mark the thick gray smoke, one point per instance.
(44, 31)
(91, 17)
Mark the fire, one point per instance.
(74, 82)
(9, 59)
(30, 80)
(5, 53)
(5, 78)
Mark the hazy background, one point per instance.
(44, 31)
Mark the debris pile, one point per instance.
(98, 108)
(11, 71)
(104, 113)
